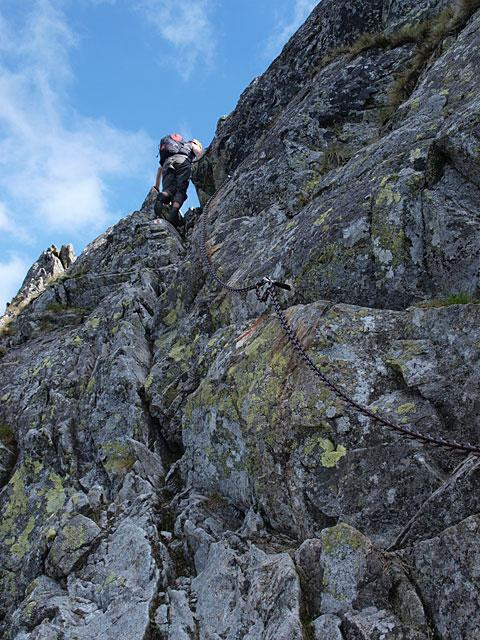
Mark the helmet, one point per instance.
(197, 142)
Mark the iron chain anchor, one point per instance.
(265, 285)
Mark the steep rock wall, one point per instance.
(170, 470)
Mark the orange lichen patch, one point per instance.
(306, 333)
(249, 332)
(213, 248)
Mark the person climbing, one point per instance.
(176, 157)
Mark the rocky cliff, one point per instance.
(169, 468)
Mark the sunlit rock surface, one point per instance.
(169, 468)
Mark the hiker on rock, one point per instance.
(176, 157)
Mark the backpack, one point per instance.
(171, 145)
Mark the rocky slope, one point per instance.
(169, 469)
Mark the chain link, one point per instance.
(266, 289)
(408, 433)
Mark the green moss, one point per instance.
(93, 322)
(408, 407)
(118, 456)
(426, 36)
(21, 546)
(46, 364)
(170, 318)
(16, 505)
(260, 343)
(31, 587)
(170, 393)
(389, 236)
(182, 353)
(51, 534)
(454, 298)
(328, 254)
(111, 577)
(90, 385)
(55, 495)
(322, 218)
(331, 455)
(409, 349)
(341, 535)
(73, 537)
(29, 610)
(8, 587)
(386, 196)
(77, 341)
(148, 382)
(428, 46)
(15, 512)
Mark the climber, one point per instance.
(176, 157)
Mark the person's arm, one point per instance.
(158, 178)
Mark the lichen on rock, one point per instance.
(169, 468)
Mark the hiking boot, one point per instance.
(160, 202)
(172, 216)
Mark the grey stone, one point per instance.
(327, 626)
(220, 488)
(71, 544)
(50, 264)
(446, 570)
(175, 619)
(249, 593)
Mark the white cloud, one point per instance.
(186, 26)
(55, 164)
(286, 28)
(5, 222)
(12, 274)
(8, 226)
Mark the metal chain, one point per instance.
(408, 433)
(266, 290)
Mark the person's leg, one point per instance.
(169, 186)
(173, 217)
(183, 173)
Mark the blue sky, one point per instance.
(87, 88)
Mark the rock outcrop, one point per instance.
(169, 468)
(49, 266)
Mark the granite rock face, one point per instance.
(169, 469)
(50, 264)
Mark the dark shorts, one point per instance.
(177, 172)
